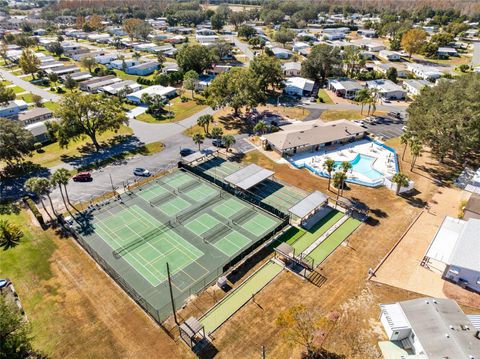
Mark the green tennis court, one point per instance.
(174, 206)
(146, 244)
(200, 192)
(179, 219)
(229, 208)
(232, 243)
(229, 305)
(202, 224)
(325, 248)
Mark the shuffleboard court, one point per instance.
(229, 305)
(301, 243)
(325, 248)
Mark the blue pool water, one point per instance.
(363, 164)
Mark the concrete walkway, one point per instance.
(27, 86)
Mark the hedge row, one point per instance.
(33, 207)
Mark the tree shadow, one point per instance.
(117, 148)
(13, 178)
(413, 200)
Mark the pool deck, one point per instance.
(384, 159)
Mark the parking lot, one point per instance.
(387, 128)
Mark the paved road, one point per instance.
(27, 86)
(387, 129)
(242, 46)
(152, 132)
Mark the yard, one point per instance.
(333, 115)
(52, 154)
(74, 308)
(181, 110)
(27, 97)
(323, 97)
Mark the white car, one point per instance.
(141, 172)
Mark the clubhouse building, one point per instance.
(312, 136)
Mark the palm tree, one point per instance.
(372, 100)
(345, 166)
(404, 140)
(362, 97)
(10, 234)
(217, 132)
(401, 180)
(329, 166)
(198, 139)
(33, 186)
(46, 189)
(260, 127)
(60, 178)
(136, 56)
(338, 181)
(415, 151)
(204, 121)
(228, 141)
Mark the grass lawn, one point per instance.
(17, 89)
(29, 77)
(121, 74)
(5, 83)
(26, 97)
(323, 97)
(51, 105)
(181, 110)
(52, 154)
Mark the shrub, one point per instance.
(33, 207)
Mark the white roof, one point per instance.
(384, 85)
(309, 204)
(457, 243)
(153, 90)
(299, 82)
(444, 241)
(395, 316)
(249, 176)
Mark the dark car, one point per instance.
(82, 177)
(186, 151)
(218, 143)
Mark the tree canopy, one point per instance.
(15, 141)
(323, 61)
(88, 115)
(236, 88)
(268, 71)
(413, 40)
(195, 57)
(6, 94)
(137, 28)
(446, 118)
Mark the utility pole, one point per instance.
(171, 294)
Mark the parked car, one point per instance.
(83, 177)
(395, 114)
(218, 143)
(186, 151)
(360, 123)
(141, 172)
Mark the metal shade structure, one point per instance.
(248, 177)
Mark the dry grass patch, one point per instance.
(333, 115)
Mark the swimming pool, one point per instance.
(363, 164)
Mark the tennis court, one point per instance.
(179, 219)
